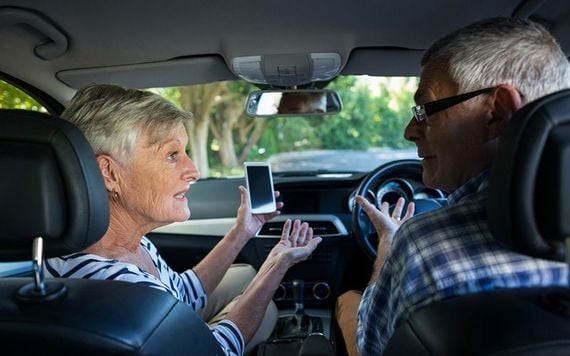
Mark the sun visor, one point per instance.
(183, 71)
(384, 62)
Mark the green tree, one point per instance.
(13, 98)
(353, 127)
(392, 111)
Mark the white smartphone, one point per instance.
(259, 184)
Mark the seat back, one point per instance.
(528, 211)
(51, 187)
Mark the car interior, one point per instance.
(53, 201)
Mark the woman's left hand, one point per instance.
(296, 244)
(248, 223)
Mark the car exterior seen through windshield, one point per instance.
(366, 133)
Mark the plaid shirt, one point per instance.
(440, 254)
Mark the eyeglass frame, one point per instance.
(421, 112)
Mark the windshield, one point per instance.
(365, 134)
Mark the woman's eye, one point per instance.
(172, 156)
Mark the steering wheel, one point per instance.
(362, 227)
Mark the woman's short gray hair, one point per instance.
(113, 118)
(503, 51)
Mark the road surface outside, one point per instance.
(338, 160)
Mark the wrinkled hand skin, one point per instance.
(296, 244)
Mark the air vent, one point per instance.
(320, 228)
(271, 229)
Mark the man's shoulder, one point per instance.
(439, 218)
(444, 223)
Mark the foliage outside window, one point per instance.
(222, 137)
(14, 98)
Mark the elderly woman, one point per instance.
(140, 144)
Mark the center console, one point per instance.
(300, 331)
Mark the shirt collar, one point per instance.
(473, 185)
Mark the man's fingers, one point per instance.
(385, 208)
(409, 211)
(397, 213)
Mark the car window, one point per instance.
(13, 98)
(365, 134)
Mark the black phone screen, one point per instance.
(260, 188)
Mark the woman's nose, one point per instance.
(191, 173)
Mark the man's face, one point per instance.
(451, 143)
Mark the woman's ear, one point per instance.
(110, 171)
(506, 101)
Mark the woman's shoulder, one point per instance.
(90, 266)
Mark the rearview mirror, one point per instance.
(293, 102)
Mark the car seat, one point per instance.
(53, 202)
(528, 210)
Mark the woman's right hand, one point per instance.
(296, 244)
(247, 223)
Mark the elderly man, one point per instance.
(472, 82)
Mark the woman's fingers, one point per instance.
(303, 234)
(286, 230)
(244, 196)
(295, 232)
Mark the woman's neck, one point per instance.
(123, 236)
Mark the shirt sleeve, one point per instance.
(229, 337)
(192, 291)
(374, 315)
(382, 302)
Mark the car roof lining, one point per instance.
(198, 38)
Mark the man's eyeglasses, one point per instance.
(421, 112)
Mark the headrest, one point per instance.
(50, 186)
(529, 188)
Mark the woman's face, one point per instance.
(154, 184)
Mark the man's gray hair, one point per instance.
(113, 118)
(503, 51)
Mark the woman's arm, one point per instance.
(213, 267)
(291, 249)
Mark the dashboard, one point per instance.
(325, 201)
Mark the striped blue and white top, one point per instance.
(185, 286)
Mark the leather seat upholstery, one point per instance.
(529, 211)
(51, 187)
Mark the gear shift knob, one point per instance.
(299, 295)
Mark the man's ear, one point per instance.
(506, 101)
(110, 171)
